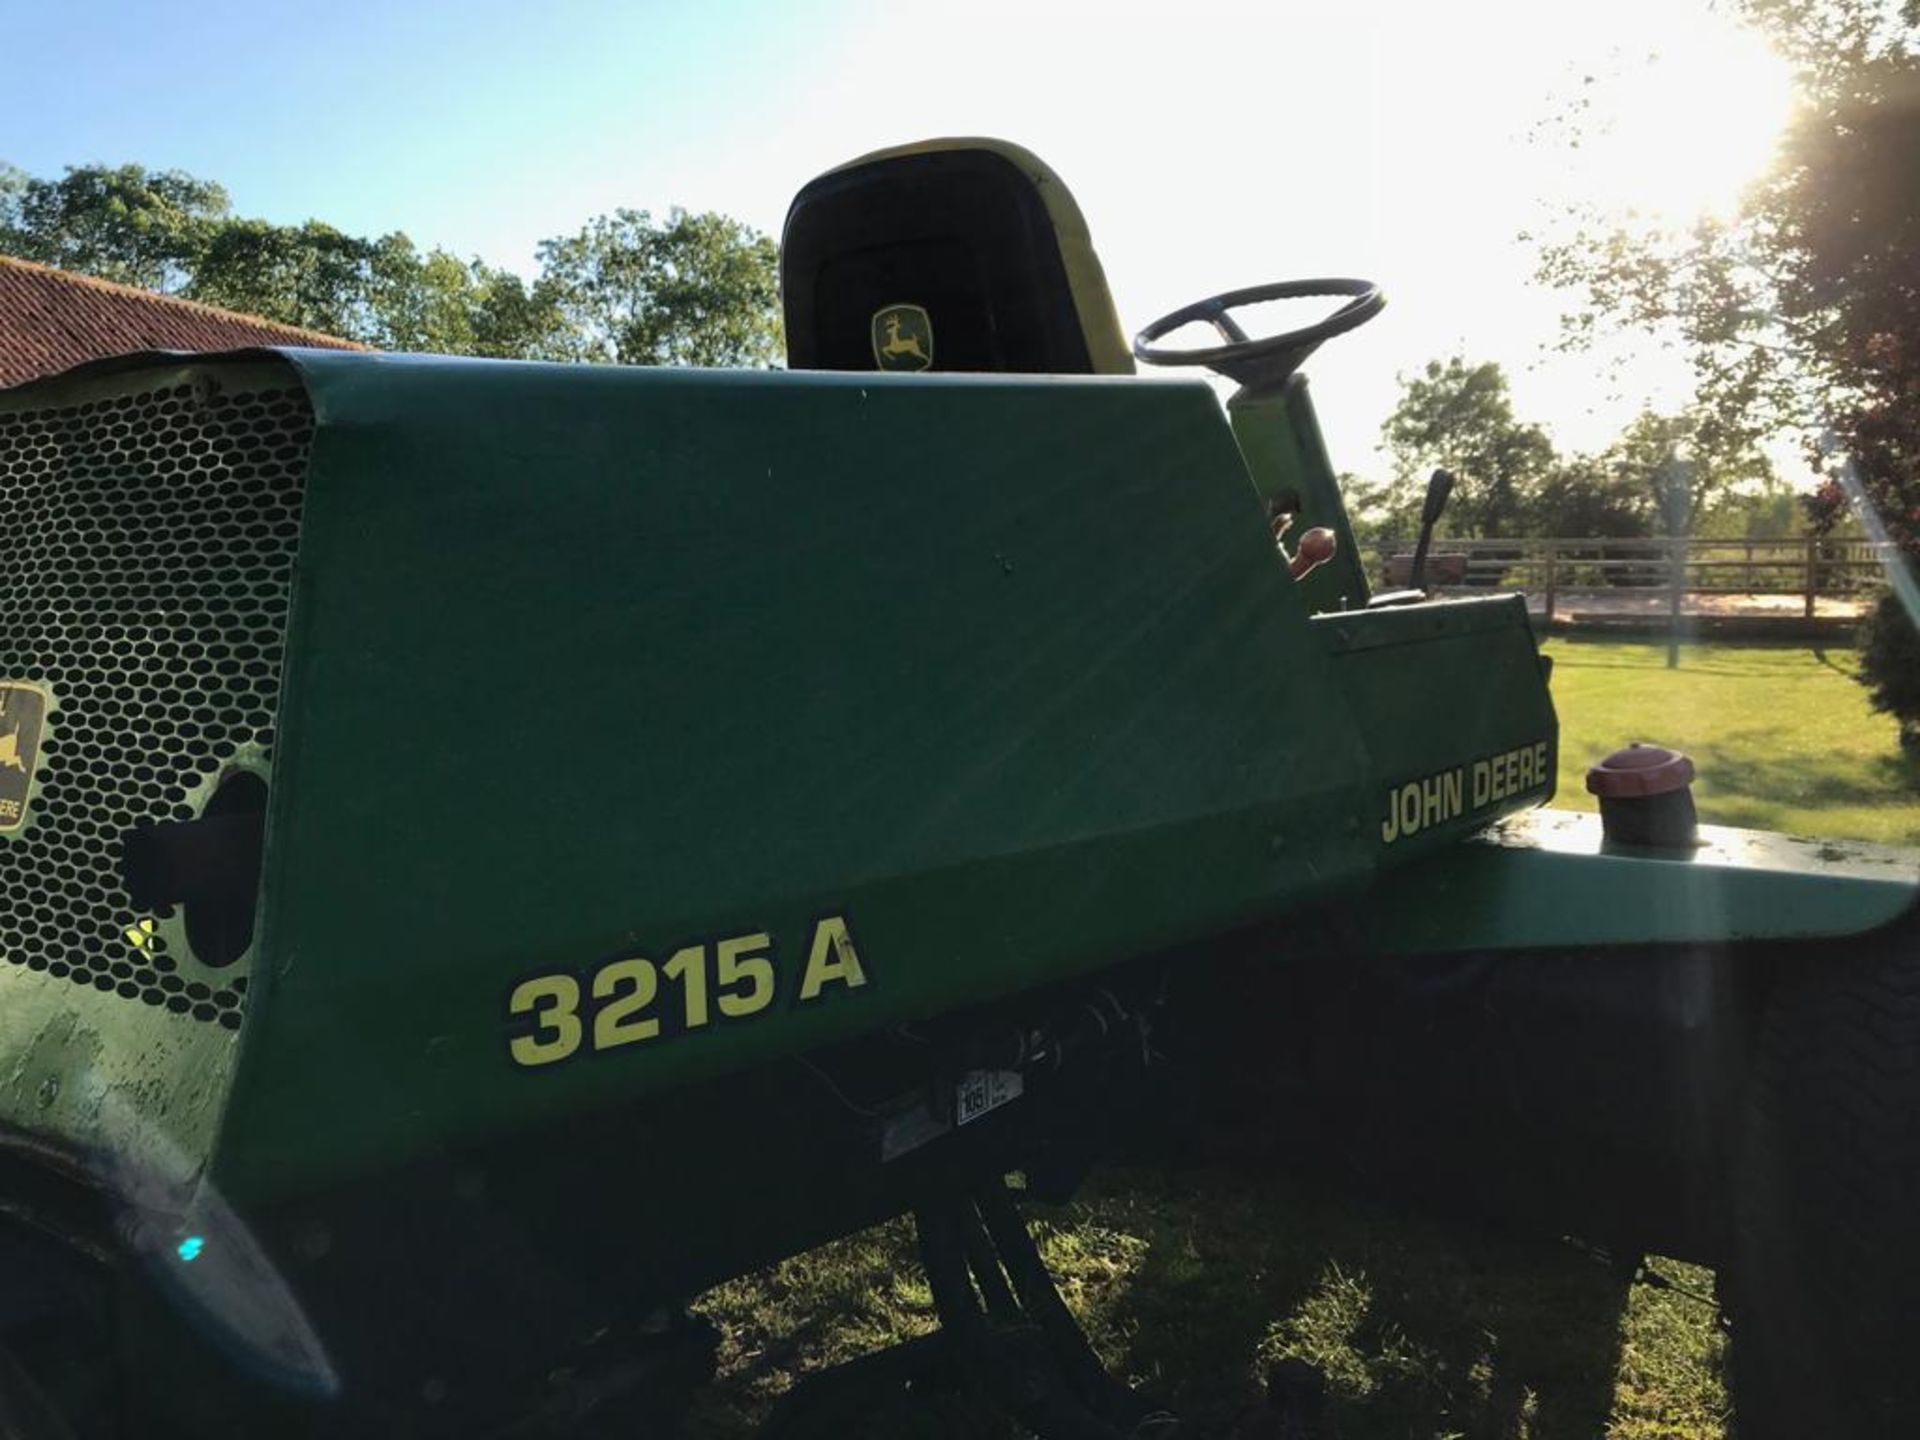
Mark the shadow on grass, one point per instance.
(1713, 668)
(1420, 1327)
(1717, 659)
(1734, 770)
(1191, 1281)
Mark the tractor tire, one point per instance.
(1823, 1284)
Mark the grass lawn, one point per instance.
(1782, 736)
(1190, 1281)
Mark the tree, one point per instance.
(436, 303)
(385, 292)
(1890, 668)
(1710, 461)
(1588, 497)
(1628, 489)
(1460, 417)
(1803, 309)
(439, 304)
(1511, 482)
(1772, 509)
(698, 289)
(1380, 510)
(310, 275)
(126, 223)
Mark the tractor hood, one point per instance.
(597, 730)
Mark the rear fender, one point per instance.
(1538, 1026)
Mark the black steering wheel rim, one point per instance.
(1275, 356)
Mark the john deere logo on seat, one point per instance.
(902, 338)
(23, 715)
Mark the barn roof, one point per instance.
(51, 320)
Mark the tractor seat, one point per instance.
(946, 255)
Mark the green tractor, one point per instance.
(490, 850)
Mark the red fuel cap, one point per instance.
(1640, 770)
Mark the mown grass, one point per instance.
(1191, 1282)
(1783, 736)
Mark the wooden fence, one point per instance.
(1551, 570)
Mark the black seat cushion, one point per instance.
(964, 235)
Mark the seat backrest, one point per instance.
(946, 255)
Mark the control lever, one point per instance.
(1316, 547)
(1439, 487)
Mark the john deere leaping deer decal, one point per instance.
(902, 338)
(23, 714)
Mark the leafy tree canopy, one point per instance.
(1460, 417)
(1664, 473)
(124, 223)
(698, 289)
(1802, 309)
(692, 290)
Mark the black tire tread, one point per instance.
(1824, 1283)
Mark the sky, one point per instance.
(1212, 145)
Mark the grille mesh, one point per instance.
(146, 559)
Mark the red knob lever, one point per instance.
(1316, 547)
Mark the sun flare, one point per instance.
(1682, 132)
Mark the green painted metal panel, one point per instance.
(1451, 698)
(854, 698)
(593, 663)
(131, 1095)
(1280, 436)
(1550, 880)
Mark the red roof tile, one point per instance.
(52, 319)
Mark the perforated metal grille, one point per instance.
(146, 554)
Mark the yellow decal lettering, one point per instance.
(831, 959)
(1446, 795)
(689, 967)
(628, 987)
(1410, 810)
(554, 1001)
(734, 975)
(743, 961)
(1421, 804)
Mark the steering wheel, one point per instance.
(1261, 364)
